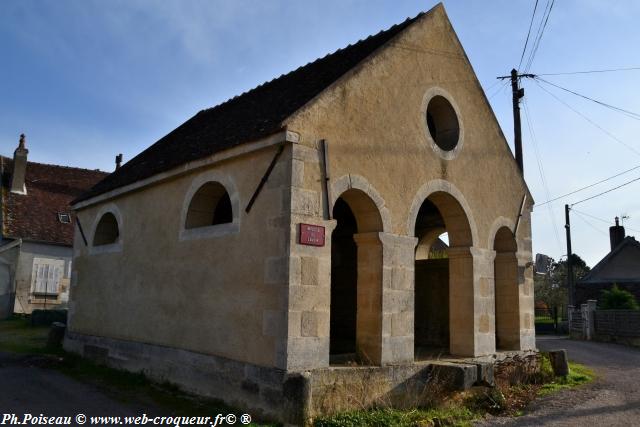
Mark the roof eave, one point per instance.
(283, 136)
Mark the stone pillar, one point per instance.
(507, 291)
(484, 301)
(584, 310)
(570, 309)
(369, 300)
(462, 330)
(590, 321)
(526, 301)
(398, 298)
(384, 328)
(309, 300)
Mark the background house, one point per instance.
(620, 266)
(36, 233)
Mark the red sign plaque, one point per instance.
(311, 235)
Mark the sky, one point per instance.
(88, 79)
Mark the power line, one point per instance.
(606, 132)
(528, 34)
(504, 84)
(607, 191)
(541, 170)
(588, 223)
(588, 186)
(536, 45)
(491, 87)
(631, 114)
(609, 70)
(602, 220)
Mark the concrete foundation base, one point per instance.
(293, 398)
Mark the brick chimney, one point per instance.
(616, 234)
(19, 168)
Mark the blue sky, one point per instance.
(88, 79)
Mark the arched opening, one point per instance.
(107, 231)
(507, 302)
(210, 205)
(443, 321)
(356, 281)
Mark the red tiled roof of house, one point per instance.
(50, 190)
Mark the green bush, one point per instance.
(618, 299)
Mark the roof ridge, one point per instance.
(628, 240)
(60, 166)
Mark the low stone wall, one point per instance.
(267, 393)
(337, 389)
(622, 326)
(296, 398)
(588, 323)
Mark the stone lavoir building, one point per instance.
(271, 246)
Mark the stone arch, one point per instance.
(506, 289)
(197, 183)
(444, 288)
(357, 182)
(109, 210)
(426, 241)
(356, 278)
(499, 223)
(442, 186)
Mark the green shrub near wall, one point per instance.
(618, 299)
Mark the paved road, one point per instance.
(612, 400)
(28, 388)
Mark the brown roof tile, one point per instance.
(50, 190)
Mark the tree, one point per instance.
(552, 288)
(618, 299)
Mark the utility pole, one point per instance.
(567, 227)
(517, 93)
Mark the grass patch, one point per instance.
(544, 320)
(454, 416)
(578, 375)
(18, 336)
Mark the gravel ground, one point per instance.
(613, 399)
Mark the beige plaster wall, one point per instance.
(374, 122)
(219, 291)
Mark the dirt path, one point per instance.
(612, 400)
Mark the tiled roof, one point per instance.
(50, 190)
(253, 115)
(594, 274)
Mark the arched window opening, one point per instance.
(356, 281)
(443, 282)
(210, 205)
(107, 231)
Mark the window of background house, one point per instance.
(46, 276)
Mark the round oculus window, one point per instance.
(443, 123)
